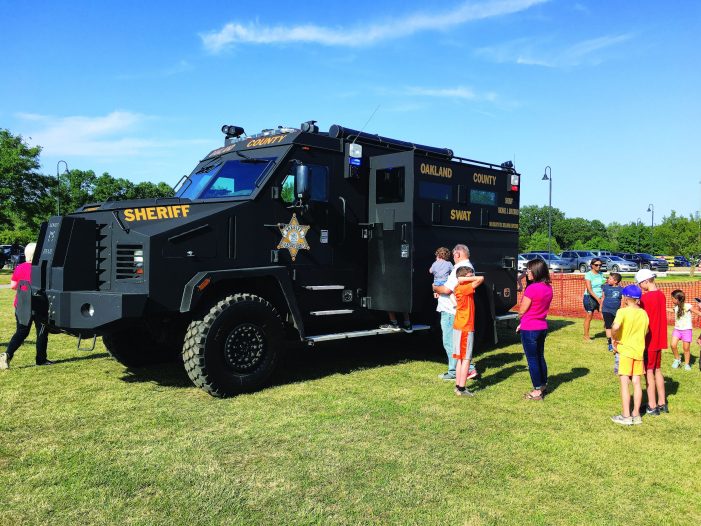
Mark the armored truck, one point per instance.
(288, 235)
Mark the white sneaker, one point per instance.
(676, 364)
(4, 362)
(622, 420)
(687, 367)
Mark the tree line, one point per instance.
(675, 235)
(28, 197)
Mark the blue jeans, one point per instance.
(534, 349)
(447, 320)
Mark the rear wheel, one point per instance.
(615, 268)
(235, 347)
(582, 268)
(646, 265)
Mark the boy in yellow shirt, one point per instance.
(628, 330)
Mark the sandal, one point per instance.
(531, 396)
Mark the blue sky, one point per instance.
(606, 93)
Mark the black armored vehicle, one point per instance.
(289, 235)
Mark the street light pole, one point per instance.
(549, 178)
(637, 224)
(58, 186)
(651, 208)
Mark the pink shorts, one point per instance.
(685, 335)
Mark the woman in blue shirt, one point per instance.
(593, 280)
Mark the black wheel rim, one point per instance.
(244, 348)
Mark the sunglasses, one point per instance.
(596, 265)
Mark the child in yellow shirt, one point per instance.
(628, 330)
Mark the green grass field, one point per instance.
(356, 433)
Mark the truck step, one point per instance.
(358, 334)
(330, 312)
(324, 287)
(507, 317)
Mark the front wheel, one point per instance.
(646, 266)
(235, 347)
(582, 268)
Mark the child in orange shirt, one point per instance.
(464, 325)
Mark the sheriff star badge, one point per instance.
(294, 237)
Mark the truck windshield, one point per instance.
(234, 178)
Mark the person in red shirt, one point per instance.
(654, 303)
(23, 272)
(464, 325)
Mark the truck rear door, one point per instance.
(390, 232)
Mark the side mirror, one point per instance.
(303, 181)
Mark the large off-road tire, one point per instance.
(235, 347)
(134, 347)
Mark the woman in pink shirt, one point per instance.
(23, 272)
(534, 326)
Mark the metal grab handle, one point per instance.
(404, 233)
(343, 207)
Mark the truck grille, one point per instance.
(130, 262)
(102, 250)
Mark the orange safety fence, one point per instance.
(568, 290)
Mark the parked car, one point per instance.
(601, 253)
(647, 261)
(681, 261)
(668, 259)
(581, 259)
(554, 262)
(618, 264)
(522, 263)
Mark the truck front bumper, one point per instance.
(91, 311)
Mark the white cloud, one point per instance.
(114, 134)
(534, 53)
(254, 33)
(458, 92)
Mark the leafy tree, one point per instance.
(535, 218)
(23, 191)
(539, 242)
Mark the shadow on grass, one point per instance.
(94, 356)
(304, 363)
(485, 381)
(557, 380)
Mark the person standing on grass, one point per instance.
(610, 302)
(533, 325)
(464, 325)
(461, 256)
(629, 329)
(654, 302)
(23, 272)
(593, 281)
(683, 328)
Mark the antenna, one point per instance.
(366, 123)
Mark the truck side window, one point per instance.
(483, 197)
(288, 189)
(389, 185)
(435, 191)
(320, 185)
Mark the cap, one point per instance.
(644, 274)
(632, 291)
